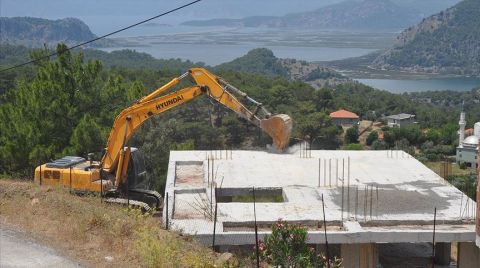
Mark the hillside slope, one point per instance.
(35, 32)
(367, 14)
(94, 233)
(448, 42)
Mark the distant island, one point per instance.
(263, 61)
(155, 24)
(36, 32)
(447, 42)
(348, 15)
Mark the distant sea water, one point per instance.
(214, 54)
(418, 85)
(216, 45)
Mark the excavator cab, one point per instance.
(136, 172)
(135, 189)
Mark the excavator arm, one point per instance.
(277, 126)
(116, 157)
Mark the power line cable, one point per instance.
(100, 37)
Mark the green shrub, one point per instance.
(353, 147)
(351, 136)
(373, 136)
(287, 247)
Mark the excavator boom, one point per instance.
(278, 127)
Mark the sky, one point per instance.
(107, 15)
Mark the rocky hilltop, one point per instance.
(348, 15)
(263, 61)
(35, 32)
(447, 42)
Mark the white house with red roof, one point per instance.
(344, 118)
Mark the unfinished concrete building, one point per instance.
(376, 202)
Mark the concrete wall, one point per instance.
(442, 253)
(400, 123)
(467, 155)
(468, 255)
(345, 121)
(360, 255)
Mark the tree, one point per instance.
(379, 145)
(318, 127)
(38, 121)
(281, 95)
(324, 99)
(351, 136)
(373, 136)
(88, 136)
(433, 135)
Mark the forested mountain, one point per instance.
(35, 32)
(260, 60)
(446, 42)
(363, 15)
(263, 61)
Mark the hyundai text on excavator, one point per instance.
(120, 176)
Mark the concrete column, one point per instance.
(359, 255)
(442, 253)
(468, 255)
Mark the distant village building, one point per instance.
(467, 149)
(400, 120)
(344, 118)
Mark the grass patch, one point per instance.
(88, 230)
(455, 168)
(278, 198)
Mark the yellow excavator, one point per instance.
(120, 176)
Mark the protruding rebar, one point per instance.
(433, 242)
(325, 231)
(336, 172)
(256, 229)
(214, 221)
(325, 172)
(330, 172)
(342, 197)
(208, 170)
(319, 169)
(371, 201)
(356, 202)
(461, 205)
(348, 188)
(365, 193)
(376, 216)
(166, 210)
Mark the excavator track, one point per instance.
(148, 194)
(145, 200)
(144, 207)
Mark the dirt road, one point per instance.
(18, 251)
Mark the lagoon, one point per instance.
(418, 85)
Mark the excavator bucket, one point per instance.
(279, 127)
